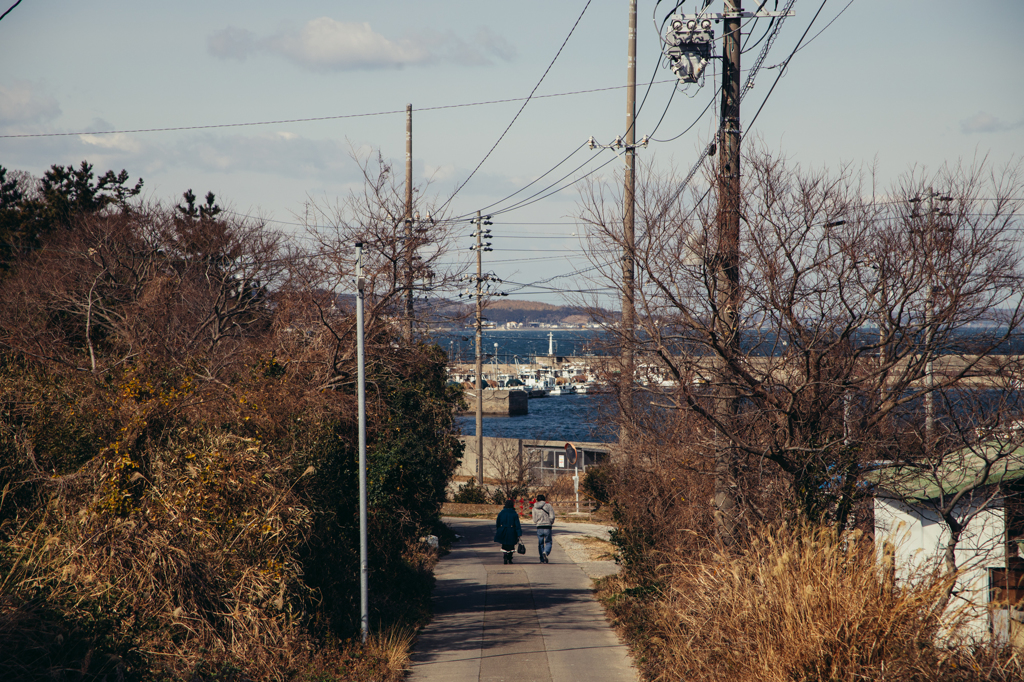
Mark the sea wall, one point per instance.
(500, 402)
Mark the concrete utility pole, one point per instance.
(409, 246)
(479, 352)
(629, 240)
(727, 266)
(937, 243)
(480, 247)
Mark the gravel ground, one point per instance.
(566, 536)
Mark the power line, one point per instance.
(827, 25)
(766, 31)
(573, 153)
(530, 199)
(525, 102)
(9, 9)
(697, 120)
(322, 118)
(784, 64)
(526, 202)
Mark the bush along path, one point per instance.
(178, 488)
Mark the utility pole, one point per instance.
(479, 356)
(937, 243)
(727, 268)
(629, 244)
(480, 247)
(929, 335)
(409, 246)
(688, 48)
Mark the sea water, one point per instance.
(570, 418)
(520, 344)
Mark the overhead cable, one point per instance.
(9, 9)
(784, 64)
(322, 118)
(527, 101)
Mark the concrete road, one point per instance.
(521, 623)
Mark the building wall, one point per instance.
(919, 537)
(542, 452)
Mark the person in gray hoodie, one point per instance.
(543, 518)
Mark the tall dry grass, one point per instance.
(797, 604)
(202, 581)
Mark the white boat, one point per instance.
(594, 387)
(562, 389)
(538, 387)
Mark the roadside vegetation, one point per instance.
(864, 327)
(178, 446)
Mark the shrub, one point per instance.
(471, 493)
(499, 495)
(598, 482)
(797, 604)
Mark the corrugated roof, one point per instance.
(959, 470)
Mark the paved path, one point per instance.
(521, 623)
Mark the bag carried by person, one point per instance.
(521, 548)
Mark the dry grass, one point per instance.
(798, 604)
(201, 581)
(596, 548)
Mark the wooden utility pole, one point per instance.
(410, 250)
(727, 271)
(629, 244)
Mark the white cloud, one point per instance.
(24, 102)
(326, 44)
(276, 153)
(439, 173)
(494, 44)
(984, 122)
(118, 142)
(231, 43)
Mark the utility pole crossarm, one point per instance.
(741, 14)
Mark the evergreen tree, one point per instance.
(66, 193)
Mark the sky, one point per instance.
(887, 85)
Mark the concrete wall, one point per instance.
(499, 401)
(500, 450)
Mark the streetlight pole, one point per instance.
(364, 565)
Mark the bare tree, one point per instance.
(147, 281)
(513, 466)
(399, 258)
(858, 311)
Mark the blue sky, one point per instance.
(890, 84)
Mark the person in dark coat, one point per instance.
(508, 530)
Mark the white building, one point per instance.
(990, 486)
